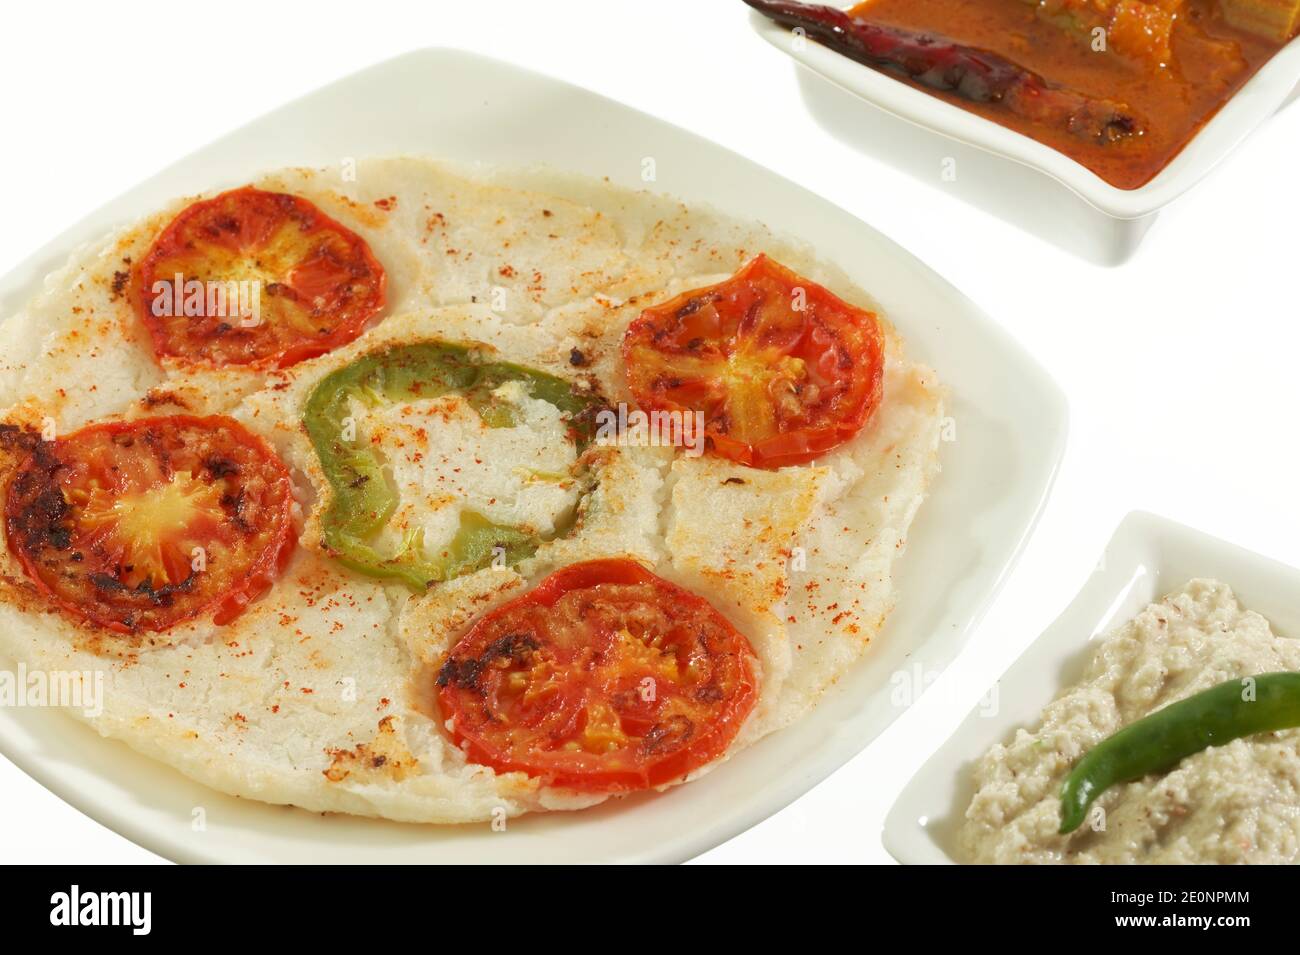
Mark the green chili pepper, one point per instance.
(363, 500)
(1156, 743)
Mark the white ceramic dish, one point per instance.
(1147, 558)
(1025, 186)
(1010, 423)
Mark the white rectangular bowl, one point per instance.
(1010, 422)
(1009, 174)
(1147, 558)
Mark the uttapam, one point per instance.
(436, 493)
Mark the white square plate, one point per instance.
(1147, 558)
(1010, 425)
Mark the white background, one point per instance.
(1180, 367)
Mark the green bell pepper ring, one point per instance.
(363, 500)
(1156, 743)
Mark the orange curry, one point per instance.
(1172, 64)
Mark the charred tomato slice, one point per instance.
(782, 370)
(605, 678)
(314, 282)
(139, 525)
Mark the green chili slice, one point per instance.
(363, 499)
(1156, 743)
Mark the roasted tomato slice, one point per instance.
(309, 284)
(605, 678)
(138, 525)
(782, 369)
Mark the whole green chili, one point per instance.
(1156, 743)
